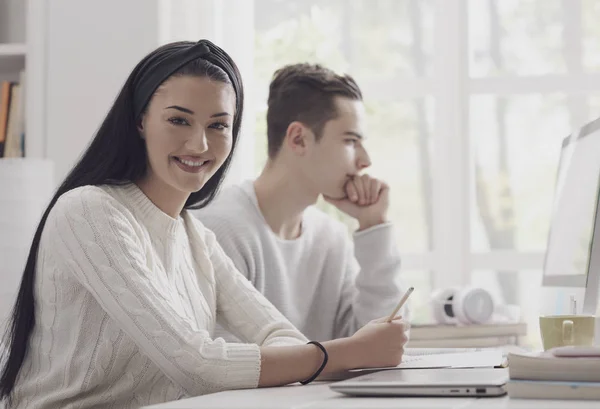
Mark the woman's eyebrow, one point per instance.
(220, 114)
(182, 109)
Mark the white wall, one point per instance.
(91, 47)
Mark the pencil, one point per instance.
(400, 304)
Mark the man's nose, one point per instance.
(363, 161)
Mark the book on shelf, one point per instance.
(4, 108)
(446, 331)
(12, 118)
(530, 389)
(545, 366)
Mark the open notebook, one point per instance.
(423, 358)
(448, 358)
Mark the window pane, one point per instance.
(522, 288)
(379, 39)
(516, 145)
(522, 37)
(399, 143)
(390, 38)
(590, 11)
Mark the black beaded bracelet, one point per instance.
(325, 359)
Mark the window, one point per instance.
(467, 103)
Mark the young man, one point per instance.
(302, 260)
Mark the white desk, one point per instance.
(319, 396)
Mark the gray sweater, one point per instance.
(326, 284)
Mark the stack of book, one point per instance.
(466, 336)
(544, 376)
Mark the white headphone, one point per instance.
(462, 306)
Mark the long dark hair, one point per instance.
(117, 155)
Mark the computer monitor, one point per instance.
(573, 252)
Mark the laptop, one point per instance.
(427, 382)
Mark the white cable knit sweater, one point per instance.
(126, 303)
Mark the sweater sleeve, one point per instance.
(372, 285)
(92, 238)
(243, 310)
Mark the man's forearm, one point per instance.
(377, 286)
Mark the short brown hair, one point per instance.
(304, 93)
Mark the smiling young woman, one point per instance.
(123, 287)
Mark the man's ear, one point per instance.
(296, 137)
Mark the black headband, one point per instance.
(160, 67)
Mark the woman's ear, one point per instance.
(140, 127)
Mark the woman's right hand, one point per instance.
(378, 344)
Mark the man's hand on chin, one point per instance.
(367, 200)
